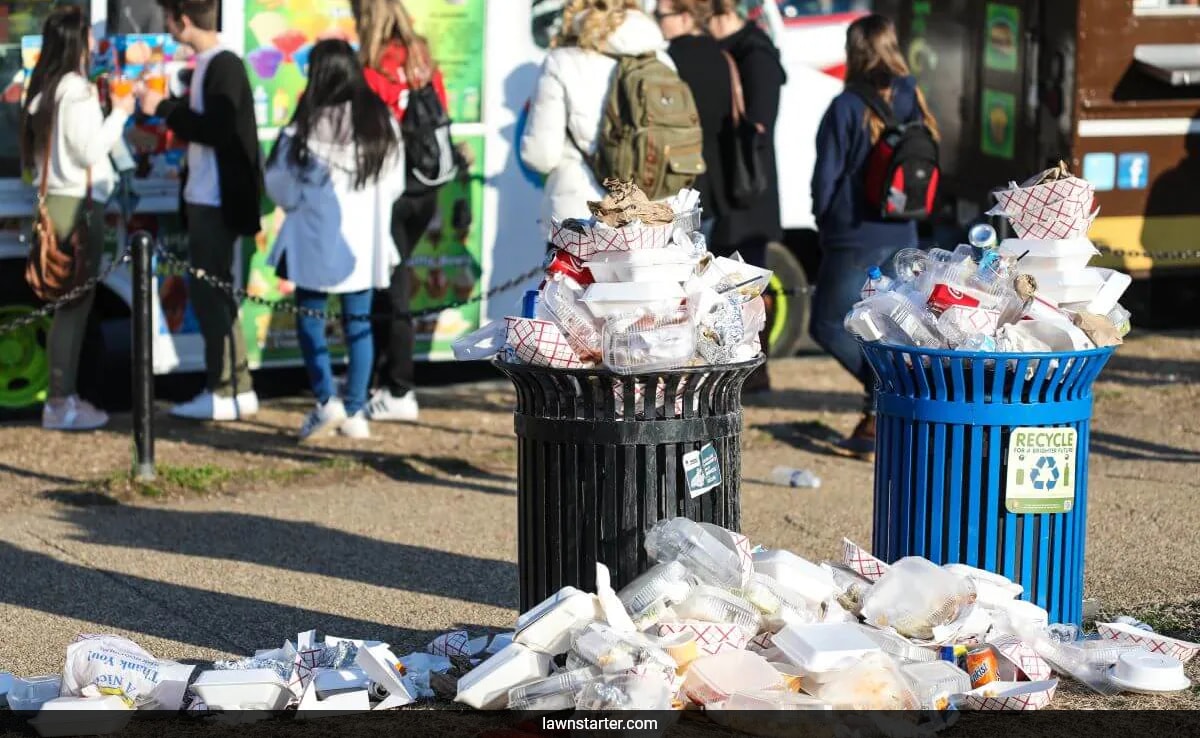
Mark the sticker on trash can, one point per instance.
(702, 469)
(1041, 470)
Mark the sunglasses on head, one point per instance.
(661, 16)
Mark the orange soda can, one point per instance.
(982, 666)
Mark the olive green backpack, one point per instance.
(651, 133)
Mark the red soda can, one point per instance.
(982, 666)
(560, 262)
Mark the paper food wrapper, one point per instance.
(454, 643)
(541, 343)
(711, 638)
(584, 239)
(1022, 657)
(856, 557)
(1011, 696)
(1181, 651)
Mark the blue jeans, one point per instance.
(839, 284)
(358, 345)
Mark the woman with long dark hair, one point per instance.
(852, 238)
(336, 170)
(66, 140)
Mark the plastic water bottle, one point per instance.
(909, 264)
(787, 477)
(876, 283)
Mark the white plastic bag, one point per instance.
(915, 596)
(119, 666)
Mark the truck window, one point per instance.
(805, 8)
(1166, 7)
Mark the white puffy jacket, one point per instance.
(570, 96)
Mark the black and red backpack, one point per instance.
(902, 169)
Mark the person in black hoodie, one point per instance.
(221, 196)
(703, 66)
(749, 230)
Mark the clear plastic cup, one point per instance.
(660, 586)
(715, 605)
(706, 558)
(555, 692)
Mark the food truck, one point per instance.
(1112, 87)
(486, 231)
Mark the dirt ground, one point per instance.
(249, 537)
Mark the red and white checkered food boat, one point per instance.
(711, 638)
(1011, 696)
(541, 343)
(584, 239)
(1181, 651)
(856, 557)
(1059, 210)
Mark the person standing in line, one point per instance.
(749, 229)
(703, 66)
(566, 113)
(397, 62)
(221, 198)
(852, 238)
(336, 170)
(64, 119)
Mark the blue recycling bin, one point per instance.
(981, 459)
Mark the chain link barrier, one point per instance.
(37, 315)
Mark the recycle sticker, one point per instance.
(1041, 470)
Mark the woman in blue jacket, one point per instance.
(852, 238)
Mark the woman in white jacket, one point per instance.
(568, 106)
(64, 117)
(336, 170)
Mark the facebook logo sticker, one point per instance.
(1100, 170)
(1133, 171)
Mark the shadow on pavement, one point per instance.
(199, 617)
(806, 400)
(1135, 449)
(812, 436)
(297, 546)
(1145, 371)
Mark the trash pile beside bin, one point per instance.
(632, 289)
(1030, 294)
(715, 625)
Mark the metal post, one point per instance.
(143, 356)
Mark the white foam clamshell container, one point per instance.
(823, 647)
(486, 686)
(797, 574)
(242, 689)
(1067, 255)
(64, 716)
(1082, 285)
(1144, 672)
(1113, 287)
(606, 299)
(547, 627)
(648, 265)
(28, 695)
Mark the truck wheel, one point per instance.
(24, 363)
(788, 320)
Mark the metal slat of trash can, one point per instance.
(600, 459)
(942, 437)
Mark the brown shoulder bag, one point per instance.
(51, 270)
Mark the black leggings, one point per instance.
(394, 337)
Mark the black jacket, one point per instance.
(703, 67)
(227, 124)
(763, 78)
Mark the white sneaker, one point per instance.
(72, 414)
(356, 426)
(387, 407)
(324, 419)
(207, 406)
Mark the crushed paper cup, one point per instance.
(856, 557)
(1181, 651)
(1022, 657)
(1010, 696)
(584, 239)
(711, 638)
(541, 343)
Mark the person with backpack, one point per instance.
(753, 219)
(876, 173)
(221, 198)
(587, 118)
(400, 70)
(336, 170)
(66, 140)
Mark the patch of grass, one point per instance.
(207, 479)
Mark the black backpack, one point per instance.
(428, 149)
(902, 171)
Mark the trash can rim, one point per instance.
(997, 355)
(599, 371)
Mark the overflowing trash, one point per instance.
(1030, 294)
(632, 289)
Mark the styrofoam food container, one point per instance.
(65, 716)
(797, 574)
(647, 265)
(1025, 614)
(242, 689)
(336, 681)
(1077, 286)
(548, 626)
(1114, 286)
(486, 686)
(1148, 673)
(1064, 255)
(823, 647)
(606, 299)
(6, 683)
(773, 699)
(28, 695)
(715, 678)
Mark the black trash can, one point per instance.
(600, 459)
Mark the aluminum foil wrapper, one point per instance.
(338, 656)
(282, 668)
(721, 331)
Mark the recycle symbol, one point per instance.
(1044, 473)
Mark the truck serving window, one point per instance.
(1166, 7)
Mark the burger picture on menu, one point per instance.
(1002, 38)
